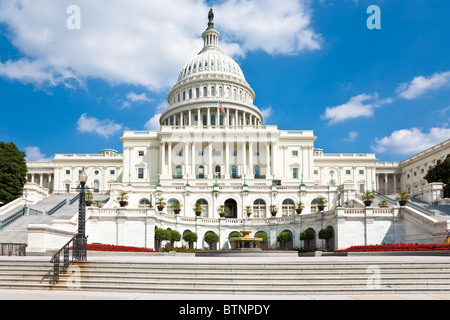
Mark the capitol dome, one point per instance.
(211, 90)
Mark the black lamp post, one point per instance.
(80, 242)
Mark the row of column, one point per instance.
(214, 117)
(383, 183)
(38, 178)
(189, 158)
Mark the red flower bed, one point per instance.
(397, 247)
(110, 247)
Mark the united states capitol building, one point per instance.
(213, 149)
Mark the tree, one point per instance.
(211, 238)
(190, 237)
(13, 172)
(284, 237)
(440, 173)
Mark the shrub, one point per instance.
(307, 235)
(211, 237)
(190, 237)
(235, 234)
(262, 235)
(325, 234)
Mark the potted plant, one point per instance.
(221, 210)
(300, 207)
(160, 203)
(321, 202)
(273, 210)
(122, 198)
(197, 209)
(89, 198)
(176, 206)
(248, 211)
(368, 198)
(403, 198)
(383, 204)
(98, 203)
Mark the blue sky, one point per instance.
(314, 65)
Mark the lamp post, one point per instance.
(80, 242)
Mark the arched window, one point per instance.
(201, 172)
(205, 120)
(144, 203)
(234, 172)
(205, 91)
(213, 91)
(170, 206)
(288, 208)
(220, 92)
(259, 208)
(96, 186)
(217, 171)
(190, 93)
(197, 92)
(178, 172)
(314, 206)
(213, 120)
(204, 204)
(257, 172)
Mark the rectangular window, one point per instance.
(295, 173)
(347, 171)
(361, 188)
(361, 171)
(112, 172)
(234, 153)
(200, 153)
(256, 153)
(67, 171)
(178, 153)
(316, 171)
(141, 173)
(295, 153)
(141, 153)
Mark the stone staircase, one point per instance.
(235, 276)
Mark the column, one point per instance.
(198, 117)
(162, 158)
(395, 182)
(236, 123)
(186, 158)
(275, 158)
(244, 160)
(227, 160)
(267, 160)
(169, 159)
(210, 164)
(174, 120)
(193, 160)
(190, 118)
(228, 117)
(385, 183)
(250, 158)
(208, 117)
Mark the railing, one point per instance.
(79, 249)
(12, 218)
(409, 204)
(74, 199)
(13, 249)
(56, 208)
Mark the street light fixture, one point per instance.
(80, 242)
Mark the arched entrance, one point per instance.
(230, 208)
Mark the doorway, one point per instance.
(230, 208)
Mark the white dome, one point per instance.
(209, 77)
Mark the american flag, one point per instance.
(221, 108)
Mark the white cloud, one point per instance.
(352, 136)
(134, 97)
(34, 154)
(266, 112)
(105, 128)
(362, 105)
(153, 123)
(410, 141)
(421, 85)
(142, 43)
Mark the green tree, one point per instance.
(284, 237)
(13, 172)
(440, 173)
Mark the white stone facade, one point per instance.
(227, 157)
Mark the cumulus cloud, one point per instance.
(34, 154)
(266, 112)
(105, 128)
(410, 141)
(143, 43)
(421, 85)
(352, 136)
(153, 123)
(362, 105)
